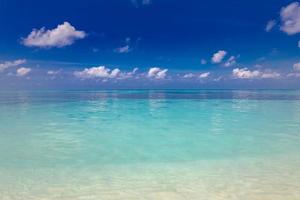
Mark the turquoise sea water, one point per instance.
(143, 144)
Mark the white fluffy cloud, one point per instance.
(9, 64)
(156, 72)
(245, 73)
(104, 72)
(290, 18)
(296, 66)
(63, 35)
(96, 72)
(23, 71)
(270, 25)
(204, 75)
(218, 56)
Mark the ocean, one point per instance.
(150, 144)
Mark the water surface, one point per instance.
(150, 144)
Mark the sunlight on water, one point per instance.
(174, 144)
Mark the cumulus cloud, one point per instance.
(218, 56)
(296, 66)
(231, 61)
(156, 72)
(290, 18)
(63, 35)
(204, 75)
(94, 72)
(103, 72)
(23, 71)
(270, 25)
(124, 49)
(245, 73)
(9, 64)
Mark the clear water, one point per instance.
(168, 144)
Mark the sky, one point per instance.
(147, 44)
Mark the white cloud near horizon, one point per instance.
(204, 75)
(23, 71)
(63, 35)
(104, 72)
(218, 56)
(8, 64)
(290, 18)
(189, 75)
(157, 73)
(245, 73)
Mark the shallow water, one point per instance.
(143, 144)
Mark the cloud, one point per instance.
(54, 72)
(104, 72)
(204, 75)
(94, 72)
(189, 75)
(63, 35)
(218, 57)
(192, 75)
(23, 71)
(294, 75)
(290, 18)
(9, 64)
(270, 25)
(244, 73)
(124, 49)
(296, 66)
(299, 43)
(156, 72)
(231, 61)
(270, 74)
(203, 61)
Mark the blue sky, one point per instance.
(149, 44)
